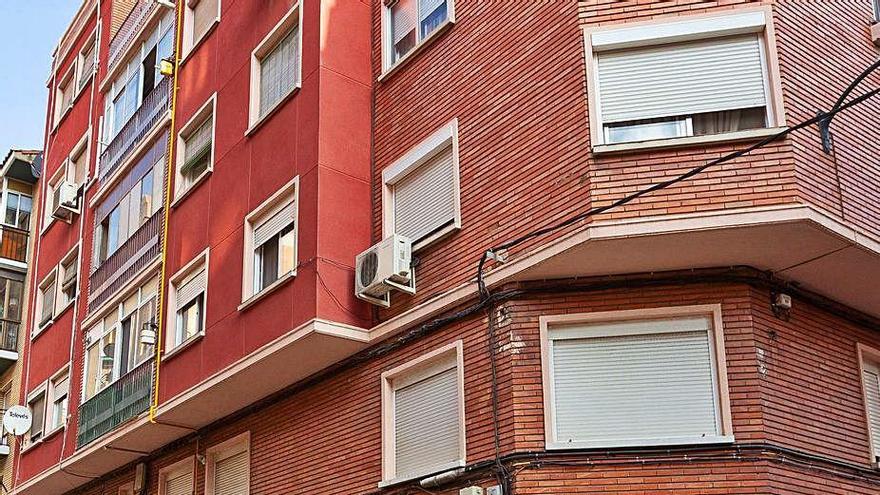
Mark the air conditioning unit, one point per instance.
(66, 201)
(385, 267)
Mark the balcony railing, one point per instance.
(13, 243)
(9, 335)
(122, 400)
(136, 129)
(121, 266)
(128, 30)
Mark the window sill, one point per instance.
(42, 328)
(67, 305)
(650, 442)
(51, 433)
(195, 46)
(436, 237)
(440, 31)
(195, 185)
(30, 445)
(272, 111)
(62, 117)
(186, 344)
(423, 474)
(686, 141)
(267, 290)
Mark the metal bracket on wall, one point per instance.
(825, 133)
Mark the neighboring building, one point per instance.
(651, 349)
(20, 171)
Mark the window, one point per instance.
(421, 198)
(635, 378)
(270, 241)
(177, 479)
(18, 210)
(46, 298)
(409, 22)
(200, 16)
(227, 467)
(877, 10)
(187, 295)
(690, 78)
(59, 388)
(275, 67)
(871, 389)
(11, 293)
(51, 199)
(68, 269)
(195, 155)
(423, 416)
(78, 165)
(135, 208)
(114, 345)
(85, 63)
(37, 405)
(64, 93)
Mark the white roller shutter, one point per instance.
(194, 286)
(426, 424)
(403, 19)
(615, 384)
(275, 224)
(203, 15)
(872, 395)
(231, 475)
(424, 200)
(681, 79)
(179, 483)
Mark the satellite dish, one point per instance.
(17, 420)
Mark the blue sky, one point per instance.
(29, 31)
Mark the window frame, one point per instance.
(717, 355)
(655, 32)
(388, 64)
(420, 368)
(255, 218)
(41, 301)
(181, 466)
(289, 21)
(8, 192)
(190, 45)
(235, 445)
(207, 110)
(410, 162)
(41, 390)
(868, 356)
(172, 346)
(65, 82)
(72, 255)
(52, 384)
(91, 42)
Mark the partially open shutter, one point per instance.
(275, 224)
(279, 71)
(424, 200)
(204, 14)
(231, 475)
(872, 395)
(681, 79)
(634, 382)
(426, 423)
(194, 286)
(403, 19)
(198, 145)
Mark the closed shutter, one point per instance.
(403, 19)
(274, 224)
(179, 483)
(278, 71)
(88, 64)
(872, 396)
(634, 382)
(204, 14)
(424, 200)
(231, 475)
(194, 286)
(681, 79)
(426, 424)
(198, 144)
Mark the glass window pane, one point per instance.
(268, 266)
(730, 121)
(113, 231)
(278, 72)
(92, 361)
(12, 208)
(432, 14)
(287, 251)
(645, 130)
(403, 28)
(25, 206)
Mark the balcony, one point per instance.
(154, 106)
(127, 261)
(13, 243)
(8, 343)
(121, 401)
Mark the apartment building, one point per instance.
(215, 168)
(20, 171)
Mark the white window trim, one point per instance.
(199, 261)
(67, 80)
(719, 362)
(42, 388)
(50, 400)
(80, 56)
(40, 327)
(235, 445)
(389, 67)
(183, 465)
(191, 45)
(83, 146)
(867, 354)
(409, 162)
(757, 20)
(420, 368)
(73, 254)
(293, 18)
(194, 122)
(266, 210)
